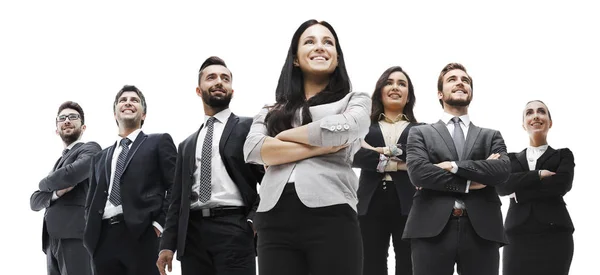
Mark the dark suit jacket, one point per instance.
(432, 144)
(369, 179)
(145, 185)
(540, 200)
(244, 175)
(64, 217)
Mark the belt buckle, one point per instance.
(205, 212)
(457, 212)
(113, 220)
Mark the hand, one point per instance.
(494, 156)
(418, 188)
(546, 173)
(156, 231)
(165, 258)
(476, 186)
(445, 165)
(252, 226)
(61, 192)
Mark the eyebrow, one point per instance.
(313, 37)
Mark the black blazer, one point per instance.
(540, 200)
(432, 144)
(145, 185)
(244, 175)
(369, 179)
(64, 217)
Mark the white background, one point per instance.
(53, 51)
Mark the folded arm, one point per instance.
(73, 173)
(552, 186)
(489, 171)
(40, 200)
(423, 173)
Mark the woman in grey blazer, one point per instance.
(306, 220)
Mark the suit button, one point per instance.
(551, 223)
(100, 212)
(332, 128)
(105, 192)
(346, 126)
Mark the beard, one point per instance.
(72, 137)
(214, 101)
(458, 102)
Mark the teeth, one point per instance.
(319, 58)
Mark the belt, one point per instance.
(218, 211)
(115, 219)
(459, 212)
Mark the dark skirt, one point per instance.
(547, 253)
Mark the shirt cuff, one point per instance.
(468, 185)
(250, 221)
(158, 226)
(391, 166)
(513, 196)
(54, 196)
(455, 169)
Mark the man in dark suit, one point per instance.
(455, 217)
(62, 193)
(209, 222)
(130, 185)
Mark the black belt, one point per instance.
(218, 211)
(114, 219)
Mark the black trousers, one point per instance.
(537, 248)
(219, 246)
(121, 253)
(297, 240)
(384, 219)
(67, 257)
(457, 243)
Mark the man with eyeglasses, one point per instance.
(62, 193)
(130, 186)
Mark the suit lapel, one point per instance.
(190, 153)
(378, 136)
(441, 128)
(108, 162)
(522, 157)
(63, 158)
(134, 147)
(229, 126)
(544, 157)
(472, 135)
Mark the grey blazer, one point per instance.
(323, 180)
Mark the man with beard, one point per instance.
(455, 217)
(62, 193)
(209, 222)
(130, 185)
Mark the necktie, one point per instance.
(205, 166)
(458, 137)
(115, 192)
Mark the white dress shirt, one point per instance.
(464, 125)
(532, 154)
(224, 192)
(70, 146)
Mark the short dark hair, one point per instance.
(213, 60)
(72, 105)
(130, 88)
(445, 70)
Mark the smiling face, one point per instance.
(316, 54)
(394, 94)
(456, 88)
(536, 119)
(69, 129)
(129, 111)
(215, 86)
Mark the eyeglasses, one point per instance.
(71, 117)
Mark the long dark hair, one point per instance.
(289, 95)
(377, 101)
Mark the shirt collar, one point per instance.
(541, 148)
(131, 136)
(221, 116)
(447, 118)
(400, 117)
